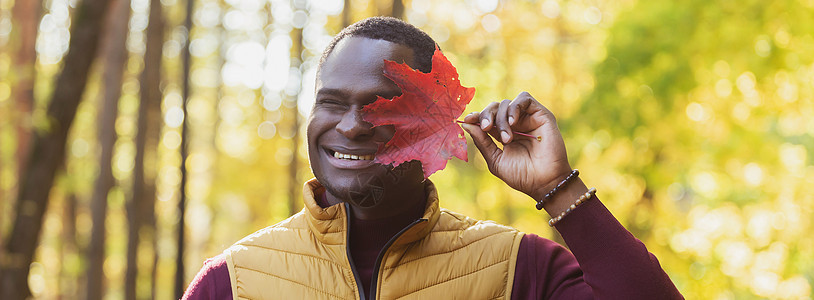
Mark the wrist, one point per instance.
(546, 189)
(566, 196)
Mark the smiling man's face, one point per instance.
(342, 146)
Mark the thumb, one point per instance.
(484, 143)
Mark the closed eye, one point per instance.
(330, 102)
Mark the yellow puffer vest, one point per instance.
(444, 255)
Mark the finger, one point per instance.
(472, 118)
(475, 119)
(531, 112)
(487, 116)
(502, 121)
(488, 149)
(519, 106)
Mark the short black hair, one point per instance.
(392, 30)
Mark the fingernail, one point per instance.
(466, 128)
(505, 136)
(484, 124)
(511, 120)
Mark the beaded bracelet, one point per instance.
(582, 199)
(559, 186)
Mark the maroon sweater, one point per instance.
(605, 261)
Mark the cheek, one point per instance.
(313, 131)
(384, 133)
(319, 123)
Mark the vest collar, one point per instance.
(329, 224)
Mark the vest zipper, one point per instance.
(350, 258)
(375, 277)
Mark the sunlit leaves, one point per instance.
(713, 103)
(692, 118)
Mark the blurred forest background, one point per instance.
(688, 116)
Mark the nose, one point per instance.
(353, 126)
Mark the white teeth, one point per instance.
(353, 157)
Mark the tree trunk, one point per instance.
(114, 54)
(398, 9)
(140, 207)
(26, 15)
(346, 14)
(69, 246)
(294, 186)
(48, 149)
(150, 220)
(179, 259)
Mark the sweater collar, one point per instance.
(329, 224)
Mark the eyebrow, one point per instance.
(346, 94)
(333, 92)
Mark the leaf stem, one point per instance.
(536, 137)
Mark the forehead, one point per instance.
(358, 58)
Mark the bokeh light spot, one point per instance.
(174, 117)
(551, 9)
(5, 91)
(36, 279)
(171, 140)
(793, 156)
(723, 88)
(592, 15)
(79, 147)
(266, 130)
(753, 174)
(721, 68)
(762, 47)
(705, 183)
(696, 112)
(490, 23)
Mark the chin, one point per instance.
(369, 189)
(362, 190)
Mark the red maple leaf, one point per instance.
(424, 115)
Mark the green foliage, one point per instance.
(707, 96)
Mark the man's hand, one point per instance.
(525, 164)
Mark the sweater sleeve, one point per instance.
(211, 282)
(606, 262)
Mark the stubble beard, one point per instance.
(369, 189)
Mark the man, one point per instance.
(370, 231)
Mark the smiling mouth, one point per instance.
(350, 156)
